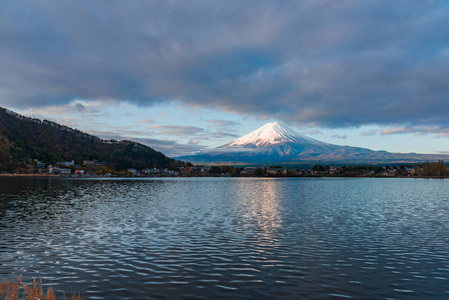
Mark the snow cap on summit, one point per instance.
(270, 134)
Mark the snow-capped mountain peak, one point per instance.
(271, 134)
(277, 144)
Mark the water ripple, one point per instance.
(203, 238)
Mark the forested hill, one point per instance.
(23, 139)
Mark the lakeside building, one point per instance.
(151, 172)
(132, 171)
(54, 170)
(39, 164)
(198, 170)
(333, 170)
(188, 171)
(90, 163)
(65, 171)
(248, 171)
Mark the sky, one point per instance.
(185, 76)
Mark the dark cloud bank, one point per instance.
(327, 63)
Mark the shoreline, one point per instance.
(86, 177)
(29, 175)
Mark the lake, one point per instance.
(245, 238)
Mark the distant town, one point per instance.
(94, 168)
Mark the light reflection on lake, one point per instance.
(229, 237)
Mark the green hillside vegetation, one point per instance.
(23, 139)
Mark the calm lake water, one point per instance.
(228, 237)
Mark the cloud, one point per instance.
(177, 130)
(146, 121)
(417, 130)
(314, 62)
(223, 129)
(398, 130)
(313, 132)
(369, 132)
(222, 123)
(337, 136)
(222, 134)
(197, 132)
(74, 107)
(170, 148)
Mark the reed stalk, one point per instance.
(10, 291)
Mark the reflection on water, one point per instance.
(261, 211)
(223, 237)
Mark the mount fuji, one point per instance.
(274, 143)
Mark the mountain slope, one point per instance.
(23, 139)
(273, 143)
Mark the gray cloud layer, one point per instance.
(321, 62)
(168, 147)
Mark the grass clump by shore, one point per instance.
(10, 291)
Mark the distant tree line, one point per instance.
(432, 169)
(425, 169)
(230, 170)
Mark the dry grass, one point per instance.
(10, 291)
